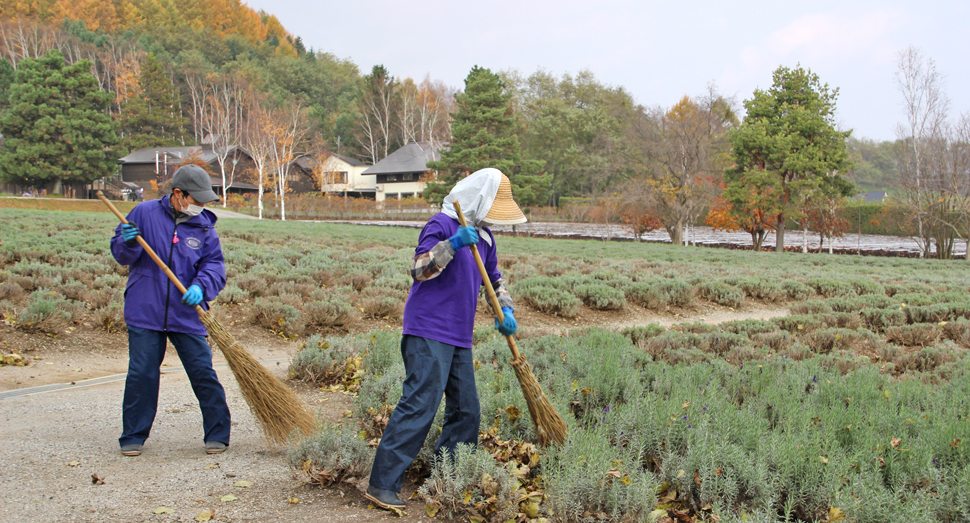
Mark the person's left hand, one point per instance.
(192, 296)
(507, 327)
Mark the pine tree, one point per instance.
(152, 117)
(56, 127)
(485, 134)
(788, 148)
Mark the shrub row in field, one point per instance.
(765, 440)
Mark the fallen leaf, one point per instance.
(213, 466)
(836, 514)
(685, 405)
(431, 510)
(96, 480)
(227, 498)
(823, 459)
(655, 516)
(396, 511)
(293, 501)
(242, 484)
(73, 463)
(895, 442)
(205, 515)
(163, 510)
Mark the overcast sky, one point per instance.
(658, 51)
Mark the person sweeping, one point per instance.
(182, 232)
(439, 319)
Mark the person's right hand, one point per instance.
(464, 237)
(129, 232)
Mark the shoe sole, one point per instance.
(383, 505)
(131, 453)
(215, 451)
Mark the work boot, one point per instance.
(215, 447)
(386, 499)
(133, 449)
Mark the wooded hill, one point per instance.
(177, 72)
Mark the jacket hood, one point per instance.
(475, 194)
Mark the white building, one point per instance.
(342, 175)
(401, 174)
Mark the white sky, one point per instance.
(658, 51)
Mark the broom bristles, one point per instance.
(278, 409)
(547, 421)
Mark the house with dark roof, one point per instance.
(159, 164)
(402, 173)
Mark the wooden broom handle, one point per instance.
(492, 298)
(144, 245)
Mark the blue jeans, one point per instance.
(146, 349)
(433, 368)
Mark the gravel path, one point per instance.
(51, 444)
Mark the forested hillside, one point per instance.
(181, 73)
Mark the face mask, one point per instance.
(189, 209)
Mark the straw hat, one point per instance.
(504, 210)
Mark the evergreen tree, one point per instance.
(485, 134)
(7, 77)
(153, 117)
(56, 127)
(788, 147)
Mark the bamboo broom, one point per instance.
(278, 410)
(548, 423)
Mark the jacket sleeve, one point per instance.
(126, 254)
(211, 273)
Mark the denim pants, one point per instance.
(432, 369)
(146, 349)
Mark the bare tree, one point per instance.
(409, 109)
(677, 157)
(222, 117)
(258, 141)
(925, 106)
(287, 128)
(376, 107)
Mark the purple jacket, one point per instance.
(191, 250)
(443, 309)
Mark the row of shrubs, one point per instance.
(767, 439)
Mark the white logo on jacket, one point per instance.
(193, 243)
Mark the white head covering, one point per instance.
(475, 194)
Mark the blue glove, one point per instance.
(129, 232)
(192, 296)
(507, 327)
(464, 237)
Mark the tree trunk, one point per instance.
(780, 235)
(805, 239)
(259, 198)
(676, 233)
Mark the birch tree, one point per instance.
(258, 141)
(924, 106)
(222, 118)
(376, 108)
(286, 127)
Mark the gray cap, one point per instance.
(194, 180)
